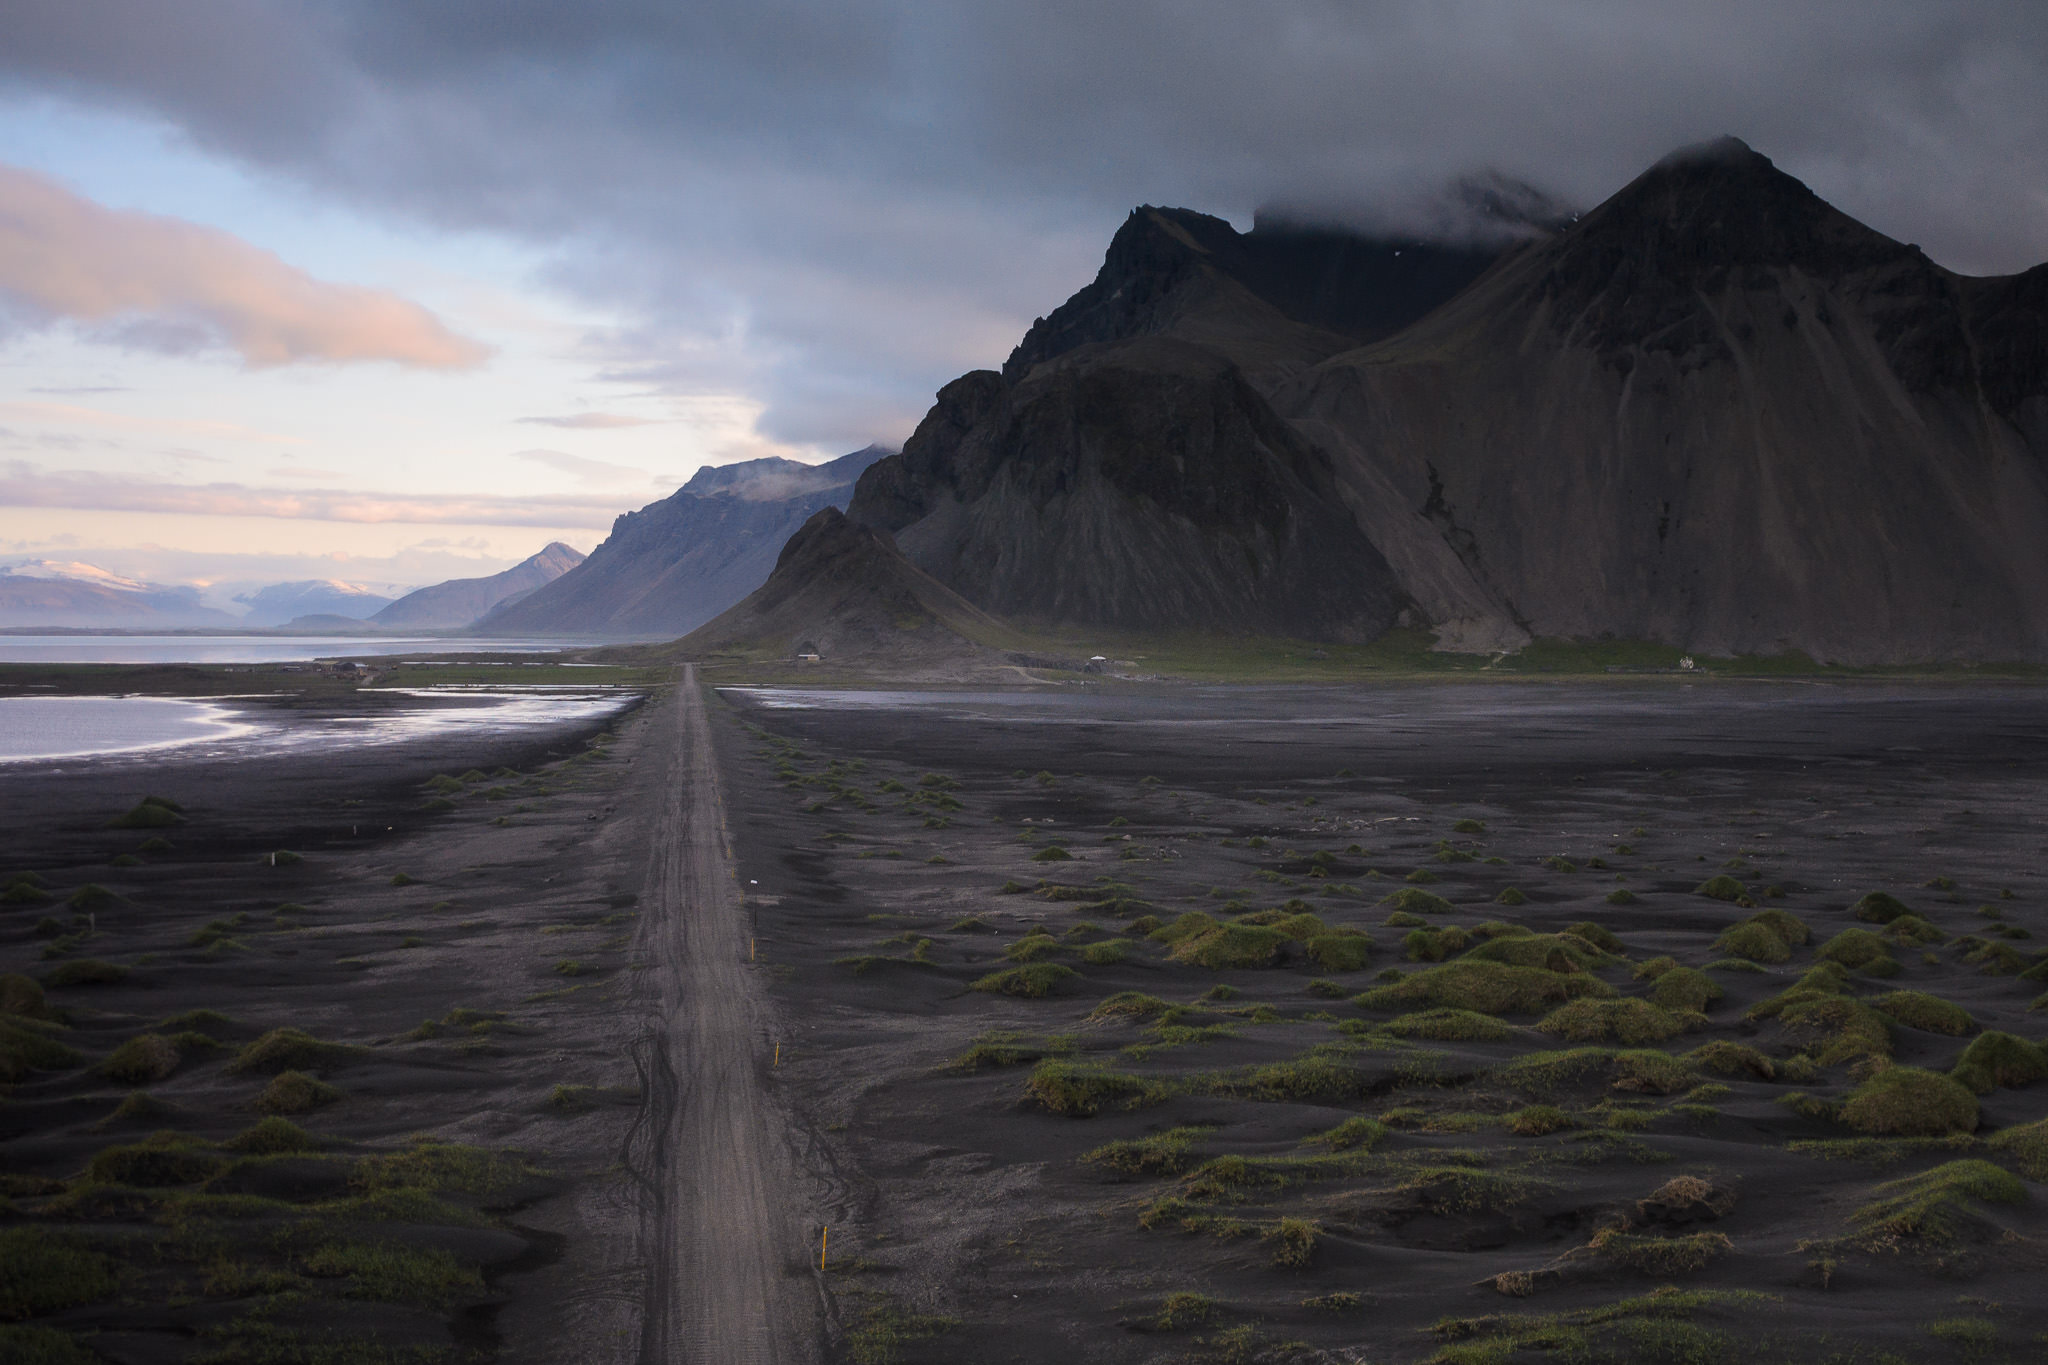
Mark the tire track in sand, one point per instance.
(731, 1284)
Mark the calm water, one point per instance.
(240, 649)
(48, 729)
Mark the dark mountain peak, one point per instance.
(1165, 265)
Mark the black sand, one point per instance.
(1474, 1206)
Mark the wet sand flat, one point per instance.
(1395, 1024)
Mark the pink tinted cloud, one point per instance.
(594, 421)
(165, 282)
(25, 485)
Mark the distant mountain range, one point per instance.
(282, 603)
(462, 601)
(671, 566)
(69, 595)
(1713, 412)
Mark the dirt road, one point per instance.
(731, 1283)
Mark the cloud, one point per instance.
(590, 473)
(594, 421)
(70, 414)
(25, 485)
(832, 210)
(161, 284)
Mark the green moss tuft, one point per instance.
(1419, 902)
(1879, 908)
(1033, 981)
(1909, 1102)
(1996, 1059)
(1484, 987)
(1685, 988)
(1629, 1022)
(1929, 1013)
(1860, 950)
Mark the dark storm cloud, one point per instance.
(835, 208)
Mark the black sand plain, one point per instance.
(1231, 1131)
(332, 1070)
(1246, 1119)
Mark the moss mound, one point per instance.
(162, 1161)
(43, 1270)
(86, 971)
(26, 1046)
(1419, 902)
(288, 1049)
(1860, 950)
(1766, 936)
(1449, 1025)
(22, 995)
(1483, 987)
(1565, 952)
(1929, 1013)
(1996, 1059)
(152, 812)
(1905, 1101)
(1930, 1206)
(1721, 888)
(1032, 981)
(1726, 1058)
(1600, 938)
(1078, 1089)
(1434, 945)
(2027, 1145)
(1685, 988)
(1629, 1022)
(1879, 908)
(145, 1058)
(294, 1092)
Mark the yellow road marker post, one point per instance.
(824, 1239)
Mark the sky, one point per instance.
(392, 292)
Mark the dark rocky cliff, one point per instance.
(1714, 411)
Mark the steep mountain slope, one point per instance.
(1273, 299)
(1719, 413)
(843, 592)
(83, 596)
(1125, 469)
(459, 601)
(1137, 485)
(1714, 412)
(673, 565)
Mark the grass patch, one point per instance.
(1483, 987)
(1031, 981)
(86, 971)
(295, 1092)
(1910, 1102)
(1927, 1206)
(1449, 1025)
(1929, 1013)
(1415, 901)
(393, 1274)
(289, 1049)
(1860, 950)
(1651, 1255)
(1630, 1022)
(1996, 1059)
(1080, 1089)
(43, 1270)
(1165, 1153)
(143, 1059)
(1685, 988)
(2027, 1145)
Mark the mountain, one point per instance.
(1719, 413)
(459, 601)
(845, 593)
(55, 593)
(1714, 412)
(281, 603)
(673, 565)
(1126, 469)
